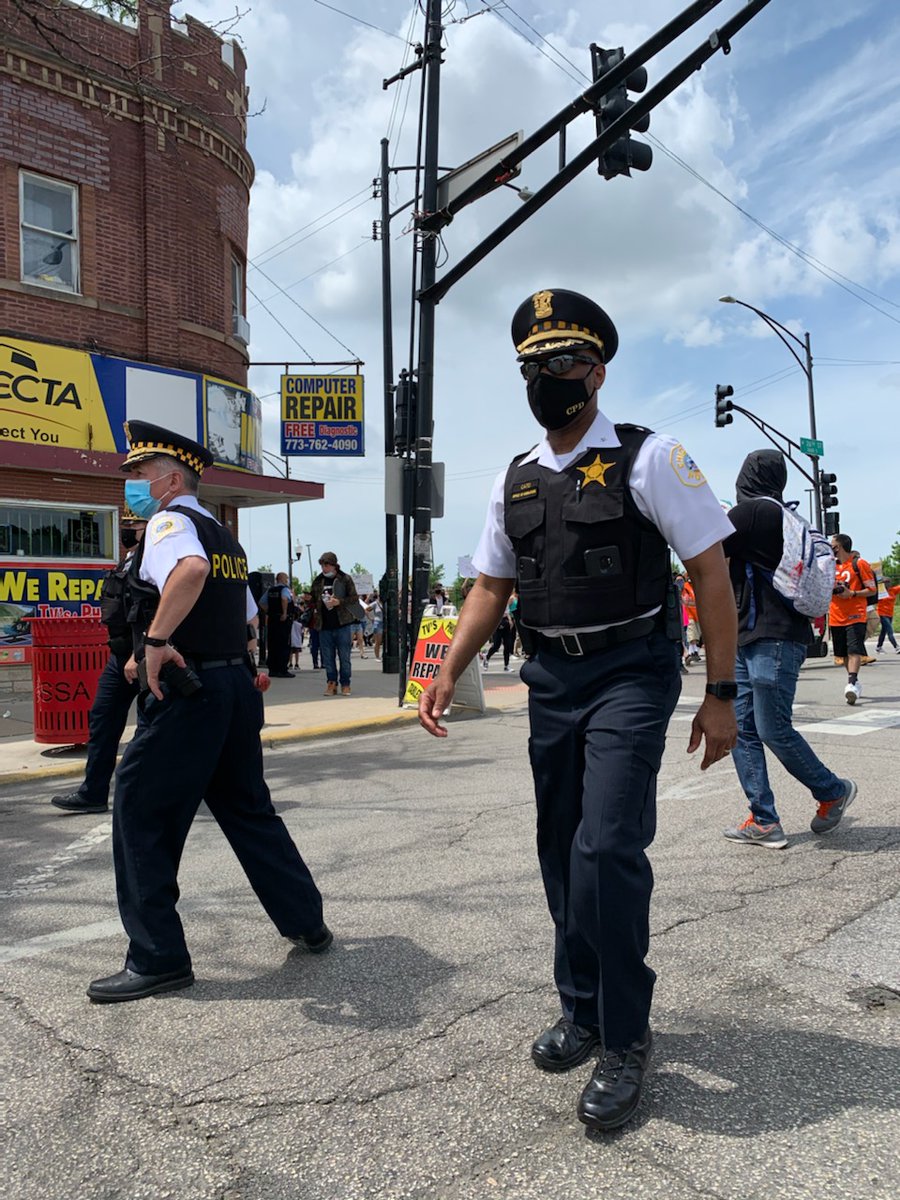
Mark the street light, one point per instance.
(806, 366)
(284, 469)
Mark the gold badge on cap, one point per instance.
(543, 306)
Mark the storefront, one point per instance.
(62, 438)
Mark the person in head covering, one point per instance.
(772, 644)
(581, 525)
(198, 739)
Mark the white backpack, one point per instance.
(804, 578)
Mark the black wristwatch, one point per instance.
(157, 643)
(724, 690)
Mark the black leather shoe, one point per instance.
(76, 803)
(564, 1045)
(614, 1092)
(315, 943)
(128, 985)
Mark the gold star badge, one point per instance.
(595, 472)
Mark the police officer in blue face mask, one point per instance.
(581, 526)
(198, 736)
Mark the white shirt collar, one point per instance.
(601, 433)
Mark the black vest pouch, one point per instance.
(593, 565)
(525, 527)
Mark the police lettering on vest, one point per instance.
(584, 552)
(216, 627)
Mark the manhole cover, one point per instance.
(876, 999)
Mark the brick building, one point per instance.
(124, 194)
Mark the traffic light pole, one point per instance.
(422, 552)
(806, 366)
(817, 491)
(388, 589)
(434, 221)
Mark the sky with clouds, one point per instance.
(776, 179)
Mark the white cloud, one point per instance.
(805, 140)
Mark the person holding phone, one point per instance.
(335, 610)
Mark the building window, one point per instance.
(239, 326)
(49, 232)
(67, 532)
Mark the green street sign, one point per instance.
(812, 446)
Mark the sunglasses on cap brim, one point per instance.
(557, 364)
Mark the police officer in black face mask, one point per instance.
(115, 693)
(198, 734)
(581, 525)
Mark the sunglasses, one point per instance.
(559, 364)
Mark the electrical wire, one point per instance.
(279, 323)
(323, 267)
(305, 312)
(358, 20)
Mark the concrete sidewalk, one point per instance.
(296, 709)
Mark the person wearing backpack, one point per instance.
(773, 638)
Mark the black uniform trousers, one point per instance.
(278, 645)
(598, 726)
(106, 724)
(187, 749)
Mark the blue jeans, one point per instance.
(887, 631)
(766, 672)
(336, 643)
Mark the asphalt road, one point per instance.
(397, 1065)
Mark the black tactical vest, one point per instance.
(216, 627)
(585, 555)
(113, 610)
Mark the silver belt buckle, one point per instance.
(576, 641)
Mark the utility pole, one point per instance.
(388, 588)
(422, 552)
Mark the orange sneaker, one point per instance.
(345, 691)
(330, 689)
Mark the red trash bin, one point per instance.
(68, 656)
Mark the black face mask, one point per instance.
(554, 402)
(128, 538)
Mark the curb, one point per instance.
(269, 741)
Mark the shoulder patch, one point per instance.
(162, 526)
(685, 467)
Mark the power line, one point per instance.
(277, 322)
(267, 257)
(358, 20)
(324, 267)
(305, 312)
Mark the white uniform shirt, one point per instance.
(171, 537)
(666, 484)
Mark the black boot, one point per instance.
(564, 1045)
(614, 1092)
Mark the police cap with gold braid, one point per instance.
(150, 441)
(553, 321)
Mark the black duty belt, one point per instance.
(212, 664)
(577, 645)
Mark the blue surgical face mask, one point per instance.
(138, 498)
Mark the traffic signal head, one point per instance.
(625, 153)
(723, 405)
(832, 524)
(828, 489)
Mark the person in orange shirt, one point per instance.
(854, 582)
(885, 610)
(694, 636)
